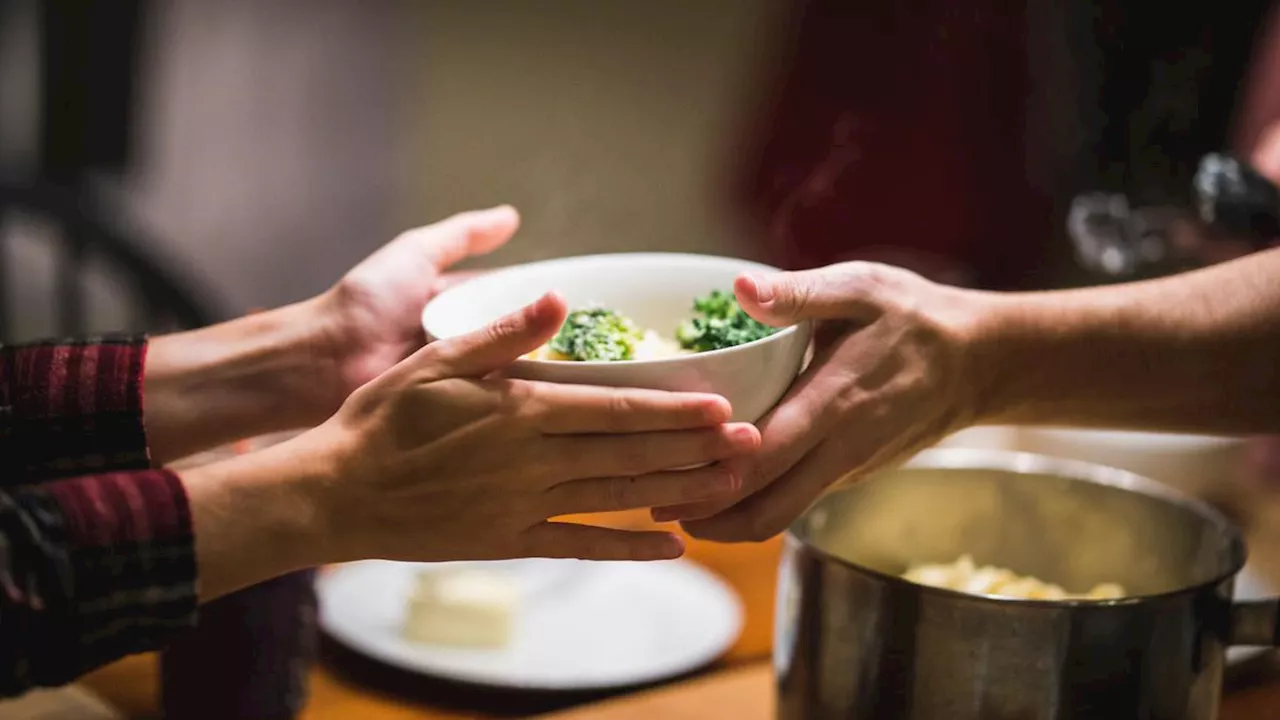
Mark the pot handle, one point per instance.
(1255, 622)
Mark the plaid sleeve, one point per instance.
(70, 408)
(91, 569)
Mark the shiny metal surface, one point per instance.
(1229, 197)
(856, 641)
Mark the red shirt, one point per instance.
(899, 129)
(95, 566)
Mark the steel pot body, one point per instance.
(854, 640)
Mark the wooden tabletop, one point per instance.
(739, 687)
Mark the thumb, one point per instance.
(499, 343)
(452, 240)
(468, 234)
(837, 292)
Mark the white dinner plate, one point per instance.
(1250, 586)
(579, 626)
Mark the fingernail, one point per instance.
(673, 547)
(763, 288)
(548, 301)
(743, 432)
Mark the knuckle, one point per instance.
(859, 276)
(503, 327)
(621, 406)
(619, 492)
(765, 469)
(754, 477)
(794, 292)
(512, 398)
(439, 396)
(689, 490)
(801, 296)
(636, 453)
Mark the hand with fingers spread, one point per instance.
(372, 316)
(292, 367)
(900, 362)
(888, 349)
(440, 459)
(414, 452)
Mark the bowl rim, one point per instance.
(497, 274)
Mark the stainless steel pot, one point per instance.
(853, 640)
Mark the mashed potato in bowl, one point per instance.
(965, 576)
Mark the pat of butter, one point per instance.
(463, 608)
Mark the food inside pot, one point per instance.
(964, 575)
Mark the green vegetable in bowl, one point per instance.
(721, 323)
(597, 334)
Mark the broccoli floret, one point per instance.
(597, 334)
(720, 323)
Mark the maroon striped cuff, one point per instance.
(131, 559)
(71, 408)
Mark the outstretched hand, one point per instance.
(884, 382)
(372, 315)
(440, 459)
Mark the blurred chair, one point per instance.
(88, 239)
(88, 66)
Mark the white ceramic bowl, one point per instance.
(1194, 464)
(657, 291)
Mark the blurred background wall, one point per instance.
(611, 125)
(279, 141)
(269, 139)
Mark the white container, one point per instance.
(1193, 464)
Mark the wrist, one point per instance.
(264, 373)
(982, 324)
(260, 515)
(319, 388)
(1036, 357)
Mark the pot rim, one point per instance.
(1033, 464)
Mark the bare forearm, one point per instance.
(255, 375)
(1199, 352)
(258, 516)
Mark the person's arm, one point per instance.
(103, 566)
(98, 566)
(1196, 352)
(70, 408)
(93, 568)
(292, 367)
(256, 375)
(902, 362)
